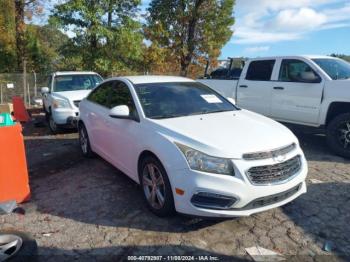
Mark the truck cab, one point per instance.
(309, 91)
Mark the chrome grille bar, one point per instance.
(275, 174)
(269, 154)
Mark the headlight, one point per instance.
(202, 162)
(60, 103)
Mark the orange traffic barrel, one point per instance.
(14, 182)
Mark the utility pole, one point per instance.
(34, 83)
(25, 81)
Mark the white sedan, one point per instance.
(191, 150)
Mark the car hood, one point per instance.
(72, 95)
(227, 134)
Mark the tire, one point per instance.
(84, 141)
(338, 135)
(54, 128)
(158, 195)
(27, 248)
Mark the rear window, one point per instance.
(260, 70)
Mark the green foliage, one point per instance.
(7, 37)
(190, 29)
(342, 56)
(106, 38)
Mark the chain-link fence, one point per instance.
(27, 86)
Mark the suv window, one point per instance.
(120, 95)
(294, 70)
(101, 93)
(63, 83)
(260, 70)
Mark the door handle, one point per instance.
(243, 86)
(278, 88)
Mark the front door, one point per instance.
(123, 134)
(296, 95)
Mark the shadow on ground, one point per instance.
(323, 213)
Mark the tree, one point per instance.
(106, 37)
(190, 29)
(24, 9)
(7, 36)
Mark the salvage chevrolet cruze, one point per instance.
(191, 150)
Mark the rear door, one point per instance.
(297, 92)
(98, 111)
(254, 87)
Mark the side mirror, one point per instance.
(120, 112)
(231, 100)
(310, 77)
(45, 90)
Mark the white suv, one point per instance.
(62, 97)
(191, 149)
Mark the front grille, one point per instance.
(274, 174)
(269, 154)
(76, 103)
(270, 200)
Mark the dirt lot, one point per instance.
(84, 209)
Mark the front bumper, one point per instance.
(63, 116)
(249, 198)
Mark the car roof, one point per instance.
(60, 73)
(145, 79)
(294, 57)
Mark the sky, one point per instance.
(287, 27)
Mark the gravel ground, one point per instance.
(84, 209)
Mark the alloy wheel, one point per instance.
(153, 185)
(52, 124)
(83, 141)
(9, 246)
(344, 134)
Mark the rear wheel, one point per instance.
(84, 141)
(156, 187)
(338, 135)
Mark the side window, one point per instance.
(120, 95)
(101, 93)
(260, 70)
(293, 70)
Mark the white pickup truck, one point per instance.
(62, 97)
(312, 91)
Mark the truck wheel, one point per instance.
(338, 135)
(17, 246)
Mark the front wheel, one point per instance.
(54, 128)
(338, 135)
(156, 187)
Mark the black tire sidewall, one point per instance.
(332, 138)
(169, 208)
(51, 129)
(89, 153)
(29, 249)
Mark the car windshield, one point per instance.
(337, 69)
(75, 82)
(167, 100)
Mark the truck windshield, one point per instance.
(337, 69)
(75, 82)
(176, 99)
